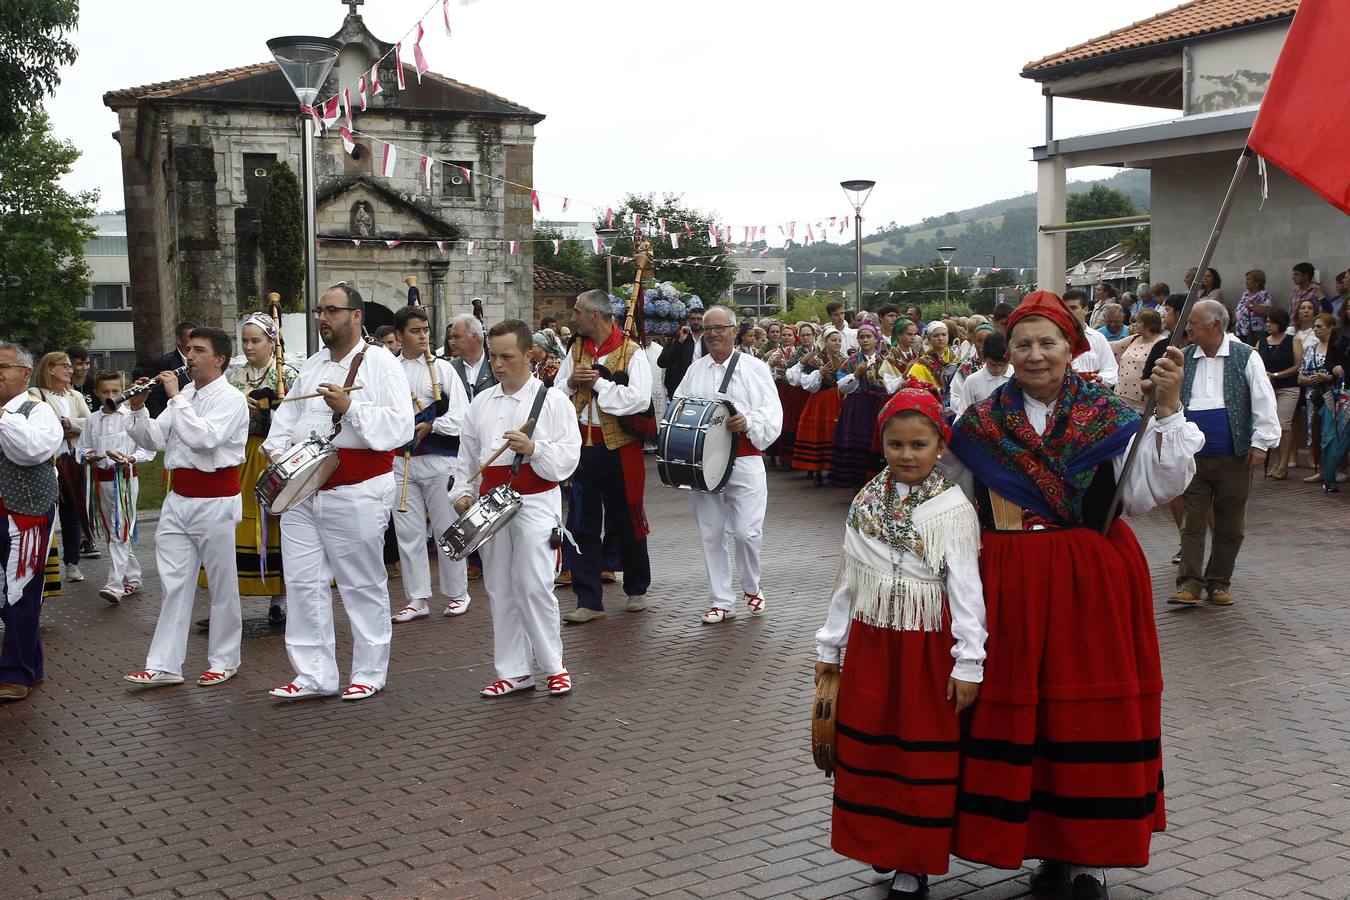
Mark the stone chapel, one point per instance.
(197, 153)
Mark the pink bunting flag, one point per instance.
(712, 236)
(348, 142)
(347, 105)
(468, 175)
(356, 243)
(534, 200)
(387, 162)
(637, 224)
(661, 224)
(440, 245)
(392, 244)
(599, 246)
(419, 59)
(557, 245)
(674, 240)
(330, 111)
(792, 230)
(313, 113)
(515, 247)
(609, 218)
(472, 248)
(426, 171)
(843, 226)
(398, 65)
(832, 220)
(445, 13)
(375, 89)
(566, 203)
(688, 229)
(810, 236)
(361, 92)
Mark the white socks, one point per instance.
(1098, 874)
(905, 882)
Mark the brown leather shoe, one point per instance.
(1184, 598)
(1221, 598)
(10, 691)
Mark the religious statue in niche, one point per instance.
(363, 219)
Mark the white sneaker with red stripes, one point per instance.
(410, 612)
(756, 603)
(504, 686)
(559, 684)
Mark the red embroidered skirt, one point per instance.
(897, 750)
(815, 430)
(1063, 759)
(793, 400)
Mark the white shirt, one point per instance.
(616, 399)
(850, 339)
(557, 441)
(106, 433)
(380, 417)
(751, 392)
(979, 385)
(965, 599)
(32, 439)
(419, 379)
(1100, 359)
(200, 428)
(1207, 392)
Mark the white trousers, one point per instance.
(338, 535)
(427, 492)
(518, 568)
(738, 510)
(123, 566)
(197, 532)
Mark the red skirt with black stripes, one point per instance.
(897, 746)
(1063, 759)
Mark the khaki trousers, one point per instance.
(1221, 484)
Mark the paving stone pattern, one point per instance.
(678, 767)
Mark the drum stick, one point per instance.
(345, 390)
(529, 424)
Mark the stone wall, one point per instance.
(1295, 226)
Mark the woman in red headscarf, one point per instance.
(1063, 761)
(908, 605)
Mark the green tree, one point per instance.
(43, 230)
(1138, 244)
(33, 35)
(982, 300)
(571, 257)
(709, 276)
(1101, 202)
(281, 237)
(922, 287)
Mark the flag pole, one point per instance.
(1244, 161)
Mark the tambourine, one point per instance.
(824, 716)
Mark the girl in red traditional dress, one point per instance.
(816, 373)
(909, 603)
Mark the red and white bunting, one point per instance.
(426, 171)
(689, 229)
(810, 236)
(637, 224)
(674, 240)
(313, 113)
(534, 200)
(387, 161)
(515, 247)
(712, 236)
(347, 105)
(472, 248)
(419, 59)
(398, 65)
(330, 112)
(566, 203)
(609, 217)
(843, 226)
(445, 13)
(375, 89)
(348, 142)
(392, 244)
(361, 92)
(557, 245)
(792, 230)
(440, 245)
(356, 243)
(661, 225)
(466, 172)
(598, 245)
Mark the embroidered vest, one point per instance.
(28, 490)
(616, 362)
(1237, 397)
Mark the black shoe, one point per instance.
(1050, 876)
(204, 624)
(90, 551)
(893, 894)
(1085, 887)
(882, 870)
(1176, 560)
(276, 616)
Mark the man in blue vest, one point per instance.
(1225, 391)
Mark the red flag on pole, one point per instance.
(1304, 120)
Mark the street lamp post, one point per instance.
(993, 264)
(946, 253)
(9, 282)
(607, 238)
(857, 192)
(759, 290)
(306, 62)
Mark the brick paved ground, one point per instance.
(679, 765)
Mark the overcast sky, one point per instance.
(753, 108)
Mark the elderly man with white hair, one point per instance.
(739, 507)
(1225, 391)
(470, 363)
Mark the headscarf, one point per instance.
(824, 336)
(547, 341)
(868, 326)
(983, 326)
(916, 395)
(264, 322)
(937, 325)
(1050, 306)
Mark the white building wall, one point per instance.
(1232, 70)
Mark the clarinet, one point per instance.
(110, 405)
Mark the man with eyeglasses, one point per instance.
(338, 532)
(30, 435)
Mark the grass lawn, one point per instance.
(152, 484)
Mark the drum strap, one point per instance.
(731, 367)
(351, 379)
(534, 414)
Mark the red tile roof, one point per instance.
(1199, 17)
(552, 281)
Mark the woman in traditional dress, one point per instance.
(855, 457)
(53, 380)
(1063, 759)
(779, 358)
(545, 356)
(904, 353)
(908, 604)
(816, 374)
(259, 576)
(932, 366)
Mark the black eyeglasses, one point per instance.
(331, 311)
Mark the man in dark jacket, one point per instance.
(175, 358)
(679, 353)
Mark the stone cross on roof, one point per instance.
(352, 5)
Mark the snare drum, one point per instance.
(481, 521)
(694, 449)
(292, 480)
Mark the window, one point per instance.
(106, 297)
(453, 182)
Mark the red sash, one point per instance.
(104, 475)
(526, 482)
(198, 484)
(357, 464)
(745, 448)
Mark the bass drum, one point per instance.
(291, 480)
(486, 517)
(694, 449)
